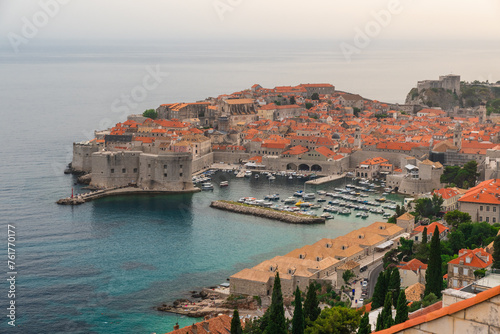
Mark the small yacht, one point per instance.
(308, 196)
(290, 200)
(207, 186)
(248, 173)
(256, 176)
(326, 215)
(273, 197)
(224, 184)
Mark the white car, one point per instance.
(364, 284)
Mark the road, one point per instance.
(373, 278)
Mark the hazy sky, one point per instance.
(250, 19)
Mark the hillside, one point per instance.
(471, 95)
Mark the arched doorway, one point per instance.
(304, 167)
(316, 168)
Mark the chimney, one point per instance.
(176, 326)
(194, 330)
(206, 325)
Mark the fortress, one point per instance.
(450, 81)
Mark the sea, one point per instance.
(104, 267)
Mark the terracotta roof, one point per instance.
(431, 228)
(406, 216)
(220, 324)
(443, 311)
(447, 193)
(413, 265)
(476, 258)
(415, 292)
(487, 192)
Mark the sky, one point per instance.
(455, 20)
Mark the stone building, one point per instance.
(448, 82)
(412, 272)
(371, 168)
(183, 111)
(166, 172)
(482, 202)
(417, 179)
(461, 270)
(239, 111)
(320, 89)
(82, 155)
(450, 197)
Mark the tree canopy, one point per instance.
(428, 207)
(298, 323)
(338, 320)
(277, 323)
(455, 218)
(150, 113)
(311, 304)
(433, 274)
(236, 323)
(462, 177)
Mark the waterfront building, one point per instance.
(482, 202)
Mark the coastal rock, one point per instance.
(85, 179)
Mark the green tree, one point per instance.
(315, 96)
(150, 113)
(277, 323)
(341, 320)
(433, 274)
(364, 325)
(405, 250)
(437, 202)
(292, 100)
(387, 319)
(496, 253)
(356, 111)
(401, 308)
(298, 324)
(455, 218)
(311, 304)
(390, 258)
(347, 275)
(380, 323)
(309, 105)
(424, 235)
(394, 286)
(380, 290)
(456, 240)
(236, 323)
(429, 300)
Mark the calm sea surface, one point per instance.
(102, 267)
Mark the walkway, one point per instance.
(326, 179)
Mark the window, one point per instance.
(466, 271)
(455, 270)
(494, 209)
(124, 170)
(487, 219)
(488, 208)
(481, 208)
(480, 218)
(180, 174)
(468, 259)
(165, 166)
(494, 220)
(302, 256)
(416, 238)
(464, 283)
(180, 166)
(455, 283)
(164, 174)
(135, 170)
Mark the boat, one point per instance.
(207, 186)
(381, 199)
(290, 200)
(364, 215)
(321, 192)
(256, 176)
(315, 206)
(273, 197)
(345, 212)
(298, 193)
(308, 196)
(290, 177)
(224, 184)
(321, 200)
(327, 216)
(387, 215)
(358, 214)
(248, 173)
(272, 177)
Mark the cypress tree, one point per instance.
(298, 324)
(236, 323)
(364, 325)
(424, 235)
(395, 286)
(380, 291)
(401, 308)
(380, 323)
(434, 275)
(311, 304)
(387, 311)
(277, 325)
(496, 253)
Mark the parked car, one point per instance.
(364, 284)
(363, 268)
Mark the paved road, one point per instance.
(373, 278)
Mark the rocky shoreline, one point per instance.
(246, 209)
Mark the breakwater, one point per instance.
(246, 209)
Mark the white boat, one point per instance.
(290, 200)
(321, 192)
(272, 177)
(207, 186)
(326, 215)
(248, 173)
(273, 197)
(256, 176)
(224, 184)
(308, 196)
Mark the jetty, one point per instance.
(284, 216)
(87, 197)
(326, 179)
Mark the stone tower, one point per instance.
(357, 138)
(457, 136)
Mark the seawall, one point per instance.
(292, 218)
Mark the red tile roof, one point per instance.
(413, 265)
(477, 258)
(487, 192)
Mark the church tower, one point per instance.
(457, 136)
(357, 138)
